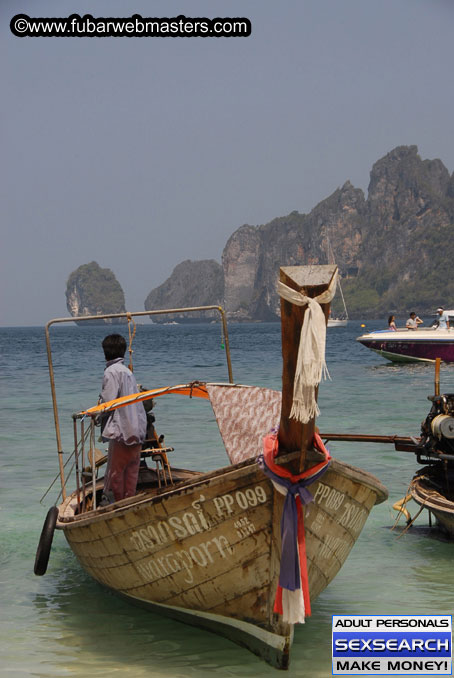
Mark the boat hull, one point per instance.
(207, 551)
(411, 346)
(425, 494)
(337, 322)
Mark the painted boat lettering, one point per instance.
(244, 527)
(353, 517)
(337, 545)
(331, 498)
(184, 560)
(172, 529)
(252, 496)
(317, 524)
(196, 521)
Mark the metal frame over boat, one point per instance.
(205, 547)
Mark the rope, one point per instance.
(68, 475)
(407, 527)
(401, 507)
(402, 511)
(56, 478)
(311, 365)
(131, 338)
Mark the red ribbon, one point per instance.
(270, 449)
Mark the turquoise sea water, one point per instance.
(64, 624)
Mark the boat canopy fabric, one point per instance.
(194, 390)
(245, 414)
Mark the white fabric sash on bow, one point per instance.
(311, 365)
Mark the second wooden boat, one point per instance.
(432, 486)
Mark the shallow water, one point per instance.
(64, 624)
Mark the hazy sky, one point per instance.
(140, 153)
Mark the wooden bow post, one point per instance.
(294, 436)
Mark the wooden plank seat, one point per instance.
(100, 459)
(159, 456)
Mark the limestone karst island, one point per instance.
(407, 216)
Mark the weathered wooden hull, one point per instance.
(439, 505)
(207, 551)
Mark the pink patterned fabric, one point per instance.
(245, 414)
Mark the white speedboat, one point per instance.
(404, 345)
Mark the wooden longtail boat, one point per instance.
(205, 548)
(433, 490)
(432, 486)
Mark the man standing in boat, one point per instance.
(125, 427)
(413, 321)
(442, 319)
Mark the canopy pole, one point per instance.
(437, 376)
(55, 409)
(226, 341)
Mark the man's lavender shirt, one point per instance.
(128, 424)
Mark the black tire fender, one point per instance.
(45, 542)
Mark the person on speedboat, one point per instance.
(392, 323)
(413, 321)
(442, 319)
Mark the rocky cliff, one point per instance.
(192, 283)
(289, 241)
(407, 247)
(92, 290)
(394, 248)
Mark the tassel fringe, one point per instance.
(311, 366)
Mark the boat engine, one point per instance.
(437, 430)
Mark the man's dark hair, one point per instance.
(114, 346)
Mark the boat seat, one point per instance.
(159, 456)
(153, 446)
(100, 459)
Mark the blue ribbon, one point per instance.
(289, 575)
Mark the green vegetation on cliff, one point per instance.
(92, 290)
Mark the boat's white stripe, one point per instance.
(402, 357)
(271, 639)
(409, 336)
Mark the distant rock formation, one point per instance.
(253, 255)
(192, 283)
(92, 290)
(394, 248)
(407, 246)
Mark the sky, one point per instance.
(139, 153)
